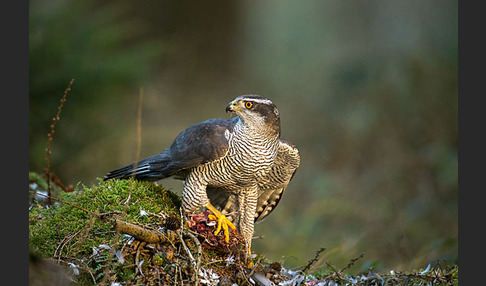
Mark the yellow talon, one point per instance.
(223, 222)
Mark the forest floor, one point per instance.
(124, 232)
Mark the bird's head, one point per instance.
(256, 111)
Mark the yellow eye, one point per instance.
(248, 104)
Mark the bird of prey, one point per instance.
(237, 168)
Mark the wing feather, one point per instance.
(198, 144)
(274, 185)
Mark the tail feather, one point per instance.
(150, 169)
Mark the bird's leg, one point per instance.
(223, 222)
(247, 201)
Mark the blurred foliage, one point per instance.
(366, 90)
(106, 52)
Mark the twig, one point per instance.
(337, 274)
(313, 260)
(63, 243)
(49, 139)
(64, 202)
(102, 215)
(334, 270)
(351, 263)
(198, 254)
(55, 179)
(244, 270)
(191, 257)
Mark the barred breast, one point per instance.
(249, 158)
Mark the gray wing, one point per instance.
(271, 188)
(200, 143)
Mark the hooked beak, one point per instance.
(231, 107)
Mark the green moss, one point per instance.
(65, 230)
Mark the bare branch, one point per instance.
(143, 234)
(313, 260)
(49, 139)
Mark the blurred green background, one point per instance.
(366, 89)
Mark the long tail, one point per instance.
(150, 169)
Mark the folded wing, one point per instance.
(196, 145)
(271, 188)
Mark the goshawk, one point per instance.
(236, 167)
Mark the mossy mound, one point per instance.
(128, 199)
(78, 231)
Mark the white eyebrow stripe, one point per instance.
(258, 100)
(264, 101)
